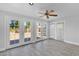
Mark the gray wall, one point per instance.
(71, 30)
(2, 41)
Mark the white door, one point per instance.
(60, 31)
(53, 30)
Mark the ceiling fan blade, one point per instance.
(55, 15)
(51, 14)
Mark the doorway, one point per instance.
(41, 31)
(53, 30)
(60, 31)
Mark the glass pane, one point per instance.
(14, 31)
(44, 30)
(38, 36)
(27, 31)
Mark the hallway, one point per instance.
(44, 48)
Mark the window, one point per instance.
(14, 32)
(27, 31)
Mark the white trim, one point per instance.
(3, 49)
(75, 43)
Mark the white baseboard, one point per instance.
(75, 43)
(2, 49)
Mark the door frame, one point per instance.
(8, 33)
(57, 30)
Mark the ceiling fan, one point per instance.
(48, 13)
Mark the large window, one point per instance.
(14, 31)
(27, 31)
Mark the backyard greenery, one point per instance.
(27, 27)
(14, 26)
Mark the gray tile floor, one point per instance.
(44, 48)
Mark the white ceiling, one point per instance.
(62, 9)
